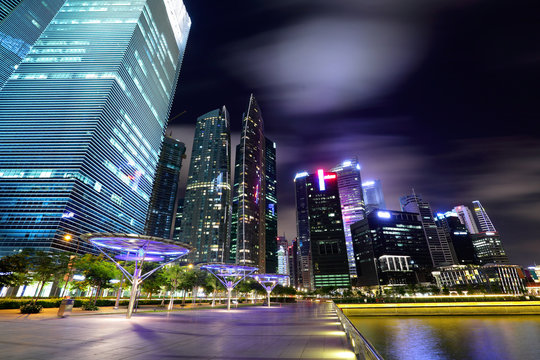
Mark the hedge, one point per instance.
(55, 302)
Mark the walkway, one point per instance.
(299, 331)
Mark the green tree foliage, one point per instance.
(154, 282)
(97, 271)
(47, 267)
(14, 270)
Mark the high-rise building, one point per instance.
(305, 269)
(326, 235)
(248, 240)
(459, 235)
(206, 218)
(373, 195)
(352, 202)
(294, 264)
(466, 217)
(82, 120)
(488, 248)
(163, 203)
(271, 215)
(484, 221)
(178, 219)
(21, 24)
(439, 244)
(283, 256)
(390, 248)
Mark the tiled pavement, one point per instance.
(296, 331)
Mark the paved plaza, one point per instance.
(296, 331)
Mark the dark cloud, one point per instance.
(438, 95)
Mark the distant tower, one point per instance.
(304, 273)
(163, 203)
(373, 195)
(438, 243)
(461, 238)
(352, 202)
(206, 215)
(271, 215)
(282, 255)
(482, 217)
(248, 243)
(466, 217)
(326, 236)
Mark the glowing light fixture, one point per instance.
(384, 214)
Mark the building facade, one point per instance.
(488, 248)
(373, 195)
(326, 234)
(305, 270)
(483, 220)
(206, 219)
(21, 24)
(83, 118)
(163, 203)
(248, 246)
(390, 248)
(271, 215)
(493, 278)
(440, 246)
(352, 203)
(459, 235)
(466, 217)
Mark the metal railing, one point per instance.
(361, 347)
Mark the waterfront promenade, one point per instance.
(295, 331)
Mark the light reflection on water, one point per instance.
(453, 337)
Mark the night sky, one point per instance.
(437, 95)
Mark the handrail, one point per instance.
(361, 346)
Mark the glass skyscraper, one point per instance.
(326, 236)
(466, 217)
(352, 202)
(248, 244)
(373, 195)
(484, 221)
(440, 246)
(206, 218)
(305, 271)
(82, 120)
(21, 24)
(271, 215)
(163, 203)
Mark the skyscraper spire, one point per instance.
(482, 217)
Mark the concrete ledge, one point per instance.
(434, 309)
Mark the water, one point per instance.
(453, 337)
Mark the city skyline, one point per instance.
(446, 129)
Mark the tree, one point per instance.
(155, 281)
(46, 267)
(199, 280)
(187, 282)
(14, 270)
(173, 276)
(97, 271)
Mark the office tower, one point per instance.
(439, 244)
(484, 222)
(178, 219)
(460, 238)
(466, 217)
(248, 240)
(488, 248)
(305, 271)
(283, 260)
(163, 203)
(271, 215)
(82, 121)
(390, 248)
(206, 218)
(294, 264)
(352, 202)
(21, 24)
(373, 195)
(326, 235)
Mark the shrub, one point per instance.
(30, 308)
(89, 306)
